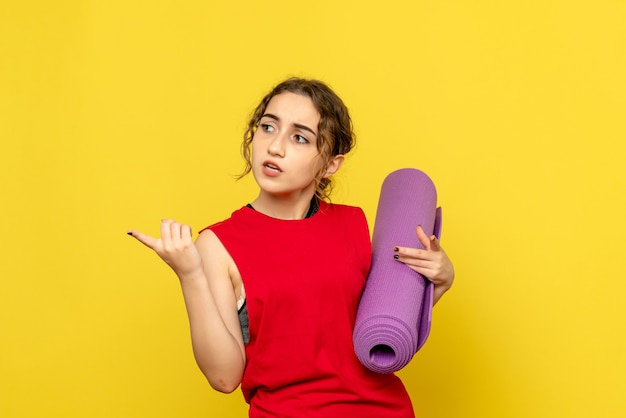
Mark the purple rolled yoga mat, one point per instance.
(394, 314)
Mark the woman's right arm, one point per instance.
(203, 271)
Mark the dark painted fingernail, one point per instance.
(396, 256)
(396, 249)
(130, 233)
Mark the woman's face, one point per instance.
(285, 159)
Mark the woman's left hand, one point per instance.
(431, 262)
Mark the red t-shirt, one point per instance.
(303, 281)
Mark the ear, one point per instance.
(333, 165)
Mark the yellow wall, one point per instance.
(114, 114)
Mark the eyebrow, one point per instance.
(297, 125)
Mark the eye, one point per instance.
(301, 140)
(267, 127)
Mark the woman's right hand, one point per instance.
(175, 247)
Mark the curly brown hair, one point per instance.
(335, 132)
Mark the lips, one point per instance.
(269, 165)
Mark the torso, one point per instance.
(300, 358)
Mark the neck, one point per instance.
(281, 207)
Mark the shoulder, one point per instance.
(351, 225)
(234, 218)
(209, 245)
(341, 208)
(210, 238)
(207, 237)
(350, 218)
(344, 212)
(216, 258)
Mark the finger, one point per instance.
(428, 269)
(422, 237)
(434, 243)
(415, 262)
(425, 271)
(175, 233)
(166, 233)
(186, 234)
(146, 240)
(407, 252)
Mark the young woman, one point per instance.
(272, 292)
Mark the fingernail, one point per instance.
(396, 249)
(396, 256)
(130, 233)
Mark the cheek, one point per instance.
(254, 148)
(317, 164)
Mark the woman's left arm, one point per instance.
(431, 262)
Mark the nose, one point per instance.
(277, 146)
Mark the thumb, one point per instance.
(146, 240)
(434, 243)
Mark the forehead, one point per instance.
(294, 108)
